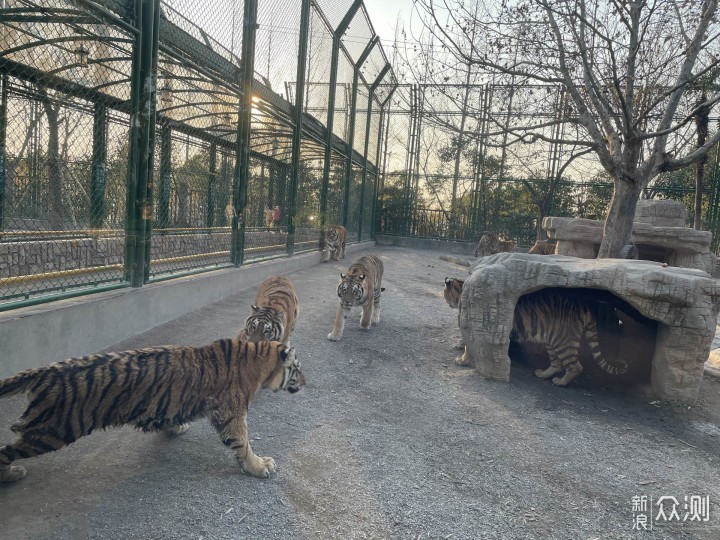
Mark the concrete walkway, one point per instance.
(388, 440)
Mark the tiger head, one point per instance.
(351, 290)
(265, 324)
(287, 374)
(332, 238)
(452, 290)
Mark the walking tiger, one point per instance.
(274, 313)
(360, 287)
(152, 389)
(335, 238)
(557, 321)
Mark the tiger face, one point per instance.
(287, 375)
(351, 290)
(265, 324)
(332, 238)
(452, 291)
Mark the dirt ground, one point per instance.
(389, 439)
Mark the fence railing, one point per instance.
(145, 139)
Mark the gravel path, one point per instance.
(388, 440)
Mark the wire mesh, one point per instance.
(78, 208)
(62, 150)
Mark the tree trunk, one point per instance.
(620, 216)
(541, 213)
(701, 121)
(56, 208)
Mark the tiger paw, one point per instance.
(560, 381)
(462, 361)
(260, 467)
(177, 430)
(12, 474)
(365, 328)
(333, 337)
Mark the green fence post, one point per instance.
(163, 211)
(351, 136)
(3, 138)
(99, 161)
(152, 125)
(242, 160)
(337, 36)
(297, 128)
(212, 187)
(142, 94)
(373, 87)
(380, 155)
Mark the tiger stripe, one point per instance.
(490, 244)
(335, 239)
(152, 389)
(362, 286)
(275, 312)
(558, 321)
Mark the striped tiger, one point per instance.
(334, 243)
(152, 389)
(555, 320)
(490, 244)
(542, 247)
(360, 287)
(274, 313)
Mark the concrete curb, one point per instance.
(38, 335)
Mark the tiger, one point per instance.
(542, 247)
(557, 321)
(153, 389)
(360, 287)
(274, 313)
(334, 243)
(490, 244)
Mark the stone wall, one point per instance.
(52, 255)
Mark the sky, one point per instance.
(384, 14)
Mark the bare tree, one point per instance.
(629, 67)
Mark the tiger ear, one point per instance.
(255, 308)
(281, 315)
(342, 276)
(448, 282)
(288, 356)
(361, 276)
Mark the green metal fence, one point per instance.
(145, 139)
(448, 169)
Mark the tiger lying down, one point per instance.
(153, 389)
(557, 321)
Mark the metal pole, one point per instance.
(297, 128)
(337, 35)
(3, 142)
(149, 166)
(351, 133)
(242, 161)
(99, 161)
(212, 187)
(374, 86)
(140, 112)
(163, 212)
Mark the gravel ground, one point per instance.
(389, 439)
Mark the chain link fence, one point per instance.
(448, 168)
(145, 139)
